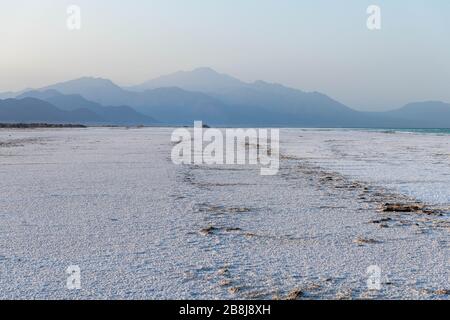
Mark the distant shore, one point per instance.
(39, 125)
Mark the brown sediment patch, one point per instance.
(234, 290)
(294, 294)
(212, 229)
(442, 292)
(217, 209)
(402, 207)
(224, 283)
(220, 184)
(361, 241)
(380, 221)
(312, 287)
(286, 157)
(237, 210)
(413, 207)
(289, 238)
(250, 234)
(223, 271)
(208, 230)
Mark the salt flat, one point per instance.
(111, 201)
(411, 163)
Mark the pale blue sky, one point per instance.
(320, 45)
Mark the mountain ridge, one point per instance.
(223, 100)
(29, 110)
(118, 115)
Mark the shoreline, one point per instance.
(38, 125)
(14, 125)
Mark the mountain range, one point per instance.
(99, 114)
(203, 94)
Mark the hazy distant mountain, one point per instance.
(202, 79)
(41, 95)
(11, 94)
(274, 104)
(259, 102)
(7, 95)
(177, 106)
(218, 99)
(35, 110)
(233, 91)
(296, 106)
(239, 103)
(167, 105)
(117, 115)
(428, 114)
(99, 90)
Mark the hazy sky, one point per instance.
(311, 45)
